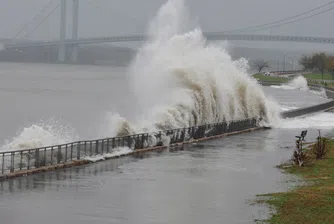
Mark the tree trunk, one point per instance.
(322, 74)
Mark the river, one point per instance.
(208, 182)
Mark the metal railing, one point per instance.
(13, 161)
(308, 110)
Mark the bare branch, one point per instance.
(259, 65)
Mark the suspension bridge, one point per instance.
(71, 45)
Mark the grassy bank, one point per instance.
(312, 203)
(279, 80)
(327, 76)
(269, 78)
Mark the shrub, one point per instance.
(320, 148)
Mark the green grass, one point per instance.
(311, 203)
(327, 76)
(269, 78)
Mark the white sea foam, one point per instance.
(180, 80)
(324, 120)
(287, 108)
(116, 152)
(320, 92)
(44, 133)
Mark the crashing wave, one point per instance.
(181, 80)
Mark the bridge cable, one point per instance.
(284, 19)
(41, 22)
(297, 20)
(31, 21)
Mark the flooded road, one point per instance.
(208, 182)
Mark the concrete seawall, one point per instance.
(307, 110)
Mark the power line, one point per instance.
(41, 22)
(297, 20)
(35, 17)
(264, 26)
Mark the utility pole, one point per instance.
(292, 64)
(284, 64)
(278, 65)
(75, 28)
(62, 46)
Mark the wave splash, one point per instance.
(320, 92)
(300, 83)
(45, 133)
(180, 80)
(297, 83)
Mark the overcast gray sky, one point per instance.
(116, 17)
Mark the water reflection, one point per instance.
(266, 140)
(70, 177)
(210, 180)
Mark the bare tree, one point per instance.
(306, 62)
(259, 65)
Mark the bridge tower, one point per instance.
(62, 46)
(75, 26)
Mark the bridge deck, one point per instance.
(208, 35)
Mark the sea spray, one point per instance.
(320, 92)
(181, 80)
(300, 83)
(43, 133)
(297, 83)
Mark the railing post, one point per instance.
(59, 154)
(51, 155)
(78, 150)
(96, 147)
(28, 155)
(85, 149)
(183, 135)
(12, 166)
(45, 163)
(113, 143)
(108, 142)
(3, 163)
(130, 142)
(66, 153)
(21, 159)
(72, 151)
(37, 163)
(123, 142)
(138, 142)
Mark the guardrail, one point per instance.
(308, 110)
(27, 159)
